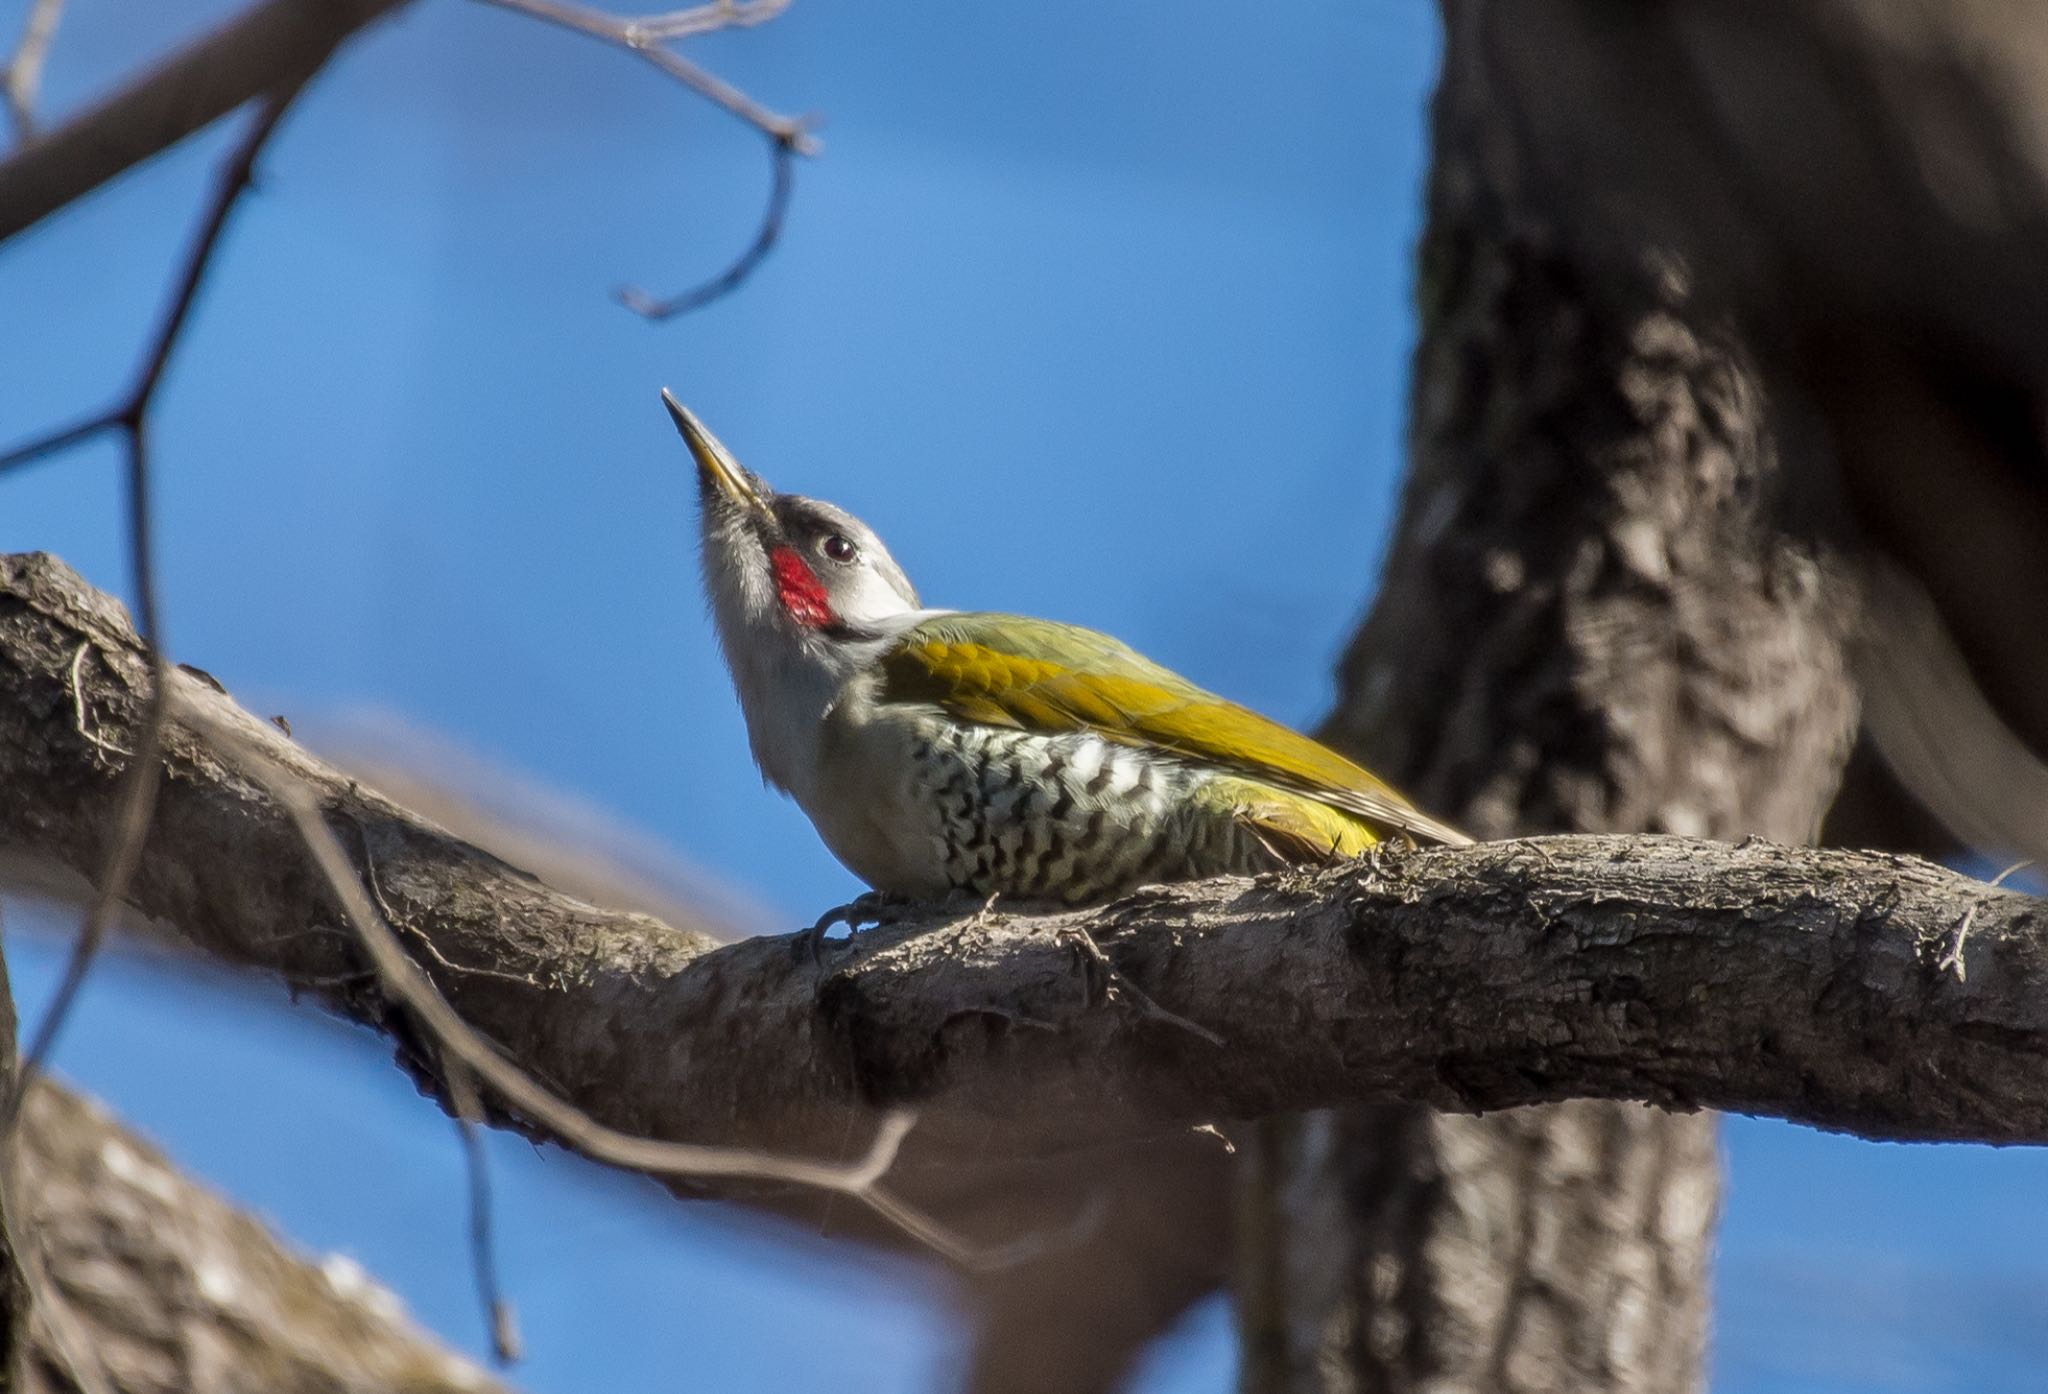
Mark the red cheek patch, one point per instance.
(802, 594)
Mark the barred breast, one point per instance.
(1068, 817)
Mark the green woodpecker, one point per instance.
(939, 751)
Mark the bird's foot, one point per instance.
(868, 908)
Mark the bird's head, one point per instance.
(783, 569)
(804, 596)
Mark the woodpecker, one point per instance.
(941, 751)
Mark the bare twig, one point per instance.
(1953, 959)
(462, 1048)
(1115, 984)
(24, 71)
(788, 137)
(130, 413)
(398, 922)
(645, 36)
(702, 19)
(782, 156)
(500, 1316)
(145, 768)
(272, 43)
(81, 720)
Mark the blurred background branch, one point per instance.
(23, 73)
(174, 1290)
(273, 45)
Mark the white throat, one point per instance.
(790, 685)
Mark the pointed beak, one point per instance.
(716, 467)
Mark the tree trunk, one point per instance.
(1610, 605)
(13, 1292)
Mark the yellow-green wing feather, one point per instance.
(1038, 675)
(1296, 828)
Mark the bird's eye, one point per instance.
(838, 547)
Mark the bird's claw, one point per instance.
(869, 908)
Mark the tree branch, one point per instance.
(1803, 984)
(648, 36)
(23, 74)
(278, 43)
(174, 1289)
(782, 182)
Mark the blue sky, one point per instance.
(1098, 312)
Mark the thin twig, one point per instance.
(649, 36)
(782, 156)
(398, 922)
(640, 36)
(25, 69)
(131, 413)
(137, 800)
(501, 1318)
(61, 439)
(1115, 982)
(460, 1044)
(81, 720)
(180, 92)
(499, 1315)
(702, 19)
(1954, 957)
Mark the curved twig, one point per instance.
(788, 137)
(783, 155)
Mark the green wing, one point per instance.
(1037, 675)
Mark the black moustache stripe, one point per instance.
(842, 630)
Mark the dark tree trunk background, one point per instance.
(13, 1294)
(1613, 604)
(1731, 316)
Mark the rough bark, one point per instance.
(1072, 1317)
(174, 1290)
(1860, 184)
(1807, 984)
(1611, 604)
(162, 1287)
(13, 1290)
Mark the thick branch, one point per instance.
(177, 1290)
(1817, 986)
(271, 44)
